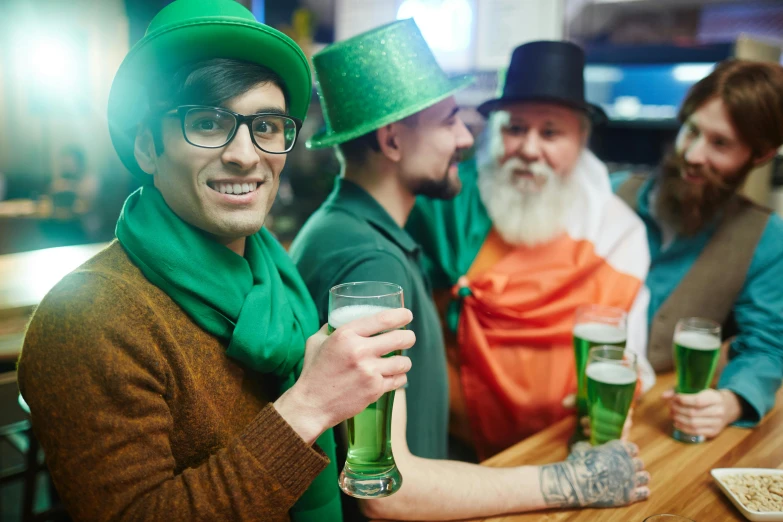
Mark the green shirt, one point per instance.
(352, 238)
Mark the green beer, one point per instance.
(695, 359)
(369, 433)
(587, 336)
(610, 389)
(696, 347)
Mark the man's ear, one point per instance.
(389, 141)
(144, 151)
(765, 157)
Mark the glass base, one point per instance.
(370, 485)
(687, 437)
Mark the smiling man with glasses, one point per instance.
(180, 374)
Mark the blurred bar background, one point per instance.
(62, 184)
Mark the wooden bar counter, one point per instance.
(25, 278)
(681, 481)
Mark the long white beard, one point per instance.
(522, 213)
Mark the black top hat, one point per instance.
(546, 71)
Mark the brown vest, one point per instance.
(712, 285)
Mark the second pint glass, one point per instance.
(595, 325)
(696, 352)
(611, 382)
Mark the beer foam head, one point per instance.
(610, 373)
(600, 333)
(697, 340)
(346, 314)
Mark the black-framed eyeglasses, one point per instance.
(215, 127)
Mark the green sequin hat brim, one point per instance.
(193, 39)
(326, 138)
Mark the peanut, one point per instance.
(760, 493)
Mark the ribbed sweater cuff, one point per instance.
(282, 452)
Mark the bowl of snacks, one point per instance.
(756, 492)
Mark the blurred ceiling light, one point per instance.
(691, 72)
(48, 62)
(627, 107)
(445, 24)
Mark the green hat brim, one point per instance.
(325, 138)
(194, 40)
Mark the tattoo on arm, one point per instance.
(602, 477)
(557, 485)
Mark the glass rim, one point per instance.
(699, 324)
(633, 358)
(335, 290)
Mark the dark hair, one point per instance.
(355, 151)
(206, 82)
(753, 95)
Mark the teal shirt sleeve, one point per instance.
(755, 368)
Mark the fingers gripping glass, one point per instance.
(215, 127)
(370, 470)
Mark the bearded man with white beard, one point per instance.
(535, 233)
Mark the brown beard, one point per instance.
(444, 188)
(687, 207)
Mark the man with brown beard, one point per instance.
(714, 254)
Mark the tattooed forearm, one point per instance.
(598, 477)
(557, 487)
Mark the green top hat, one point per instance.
(191, 30)
(377, 78)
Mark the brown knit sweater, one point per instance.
(141, 414)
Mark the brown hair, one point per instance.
(753, 95)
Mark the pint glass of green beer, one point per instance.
(611, 381)
(595, 325)
(370, 470)
(696, 351)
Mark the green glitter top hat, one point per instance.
(377, 78)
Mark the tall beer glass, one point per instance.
(595, 325)
(370, 470)
(611, 381)
(696, 351)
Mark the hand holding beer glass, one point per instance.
(611, 381)
(370, 470)
(595, 325)
(696, 352)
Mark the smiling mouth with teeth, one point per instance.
(233, 188)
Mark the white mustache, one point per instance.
(539, 169)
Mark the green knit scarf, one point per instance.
(257, 304)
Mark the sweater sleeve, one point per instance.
(755, 367)
(96, 383)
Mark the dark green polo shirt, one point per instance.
(352, 238)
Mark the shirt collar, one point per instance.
(352, 198)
